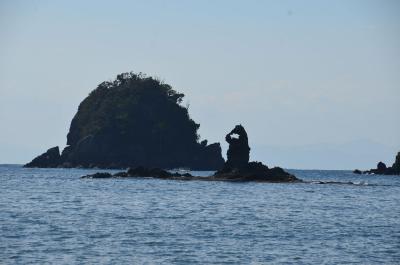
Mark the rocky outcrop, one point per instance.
(142, 172)
(131, 121)
(382, 169)
(100, 175)
(237, 165)
(236, 168)
(396, 164)
(51, 158)
(239, 151)
(273, 175)
(256, 171)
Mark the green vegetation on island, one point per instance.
(134, 120)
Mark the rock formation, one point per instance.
(396, 164)
(236, 168)
(238, 154)
(131, 121)
(237, 165)
(382, 169)
(143, 172)
(51, 158)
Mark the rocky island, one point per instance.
(134, 120)
(382, 169)
(236, 168)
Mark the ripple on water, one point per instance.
(52, 216)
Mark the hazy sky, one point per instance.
(294, 73)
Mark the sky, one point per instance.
(316, 84)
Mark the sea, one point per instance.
(52, 216)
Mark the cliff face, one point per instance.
(396, 164)
(136, 120)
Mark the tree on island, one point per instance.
(134, 120)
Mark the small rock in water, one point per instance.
(99, 175)
(121, 175)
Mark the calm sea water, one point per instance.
(53, 216)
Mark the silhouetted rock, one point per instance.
(256, 171)
(135, 120)
(357, 171)
(237, 166)
(100, 175)
(239, 151)
(121, 175)
(396, 164)
(382, 169)
(51, 158)
(144, 172)
(148, 172)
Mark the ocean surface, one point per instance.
(51, 216)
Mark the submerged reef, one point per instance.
(134, 120)
(236, 168)
(382, 169)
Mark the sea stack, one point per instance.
(238, 166)
(238, 154)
